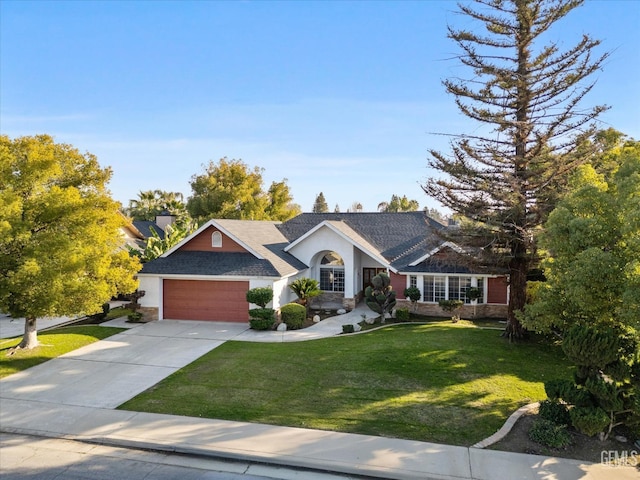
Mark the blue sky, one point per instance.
(337, 97)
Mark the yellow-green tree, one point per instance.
(592, 240)
(230, 189)
(61, 249)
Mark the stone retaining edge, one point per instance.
(508, 425)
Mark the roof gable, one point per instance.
(202, 241)
(344, 231)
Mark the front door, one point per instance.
(368, 274)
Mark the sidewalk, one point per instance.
(75, 395)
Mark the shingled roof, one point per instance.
(211, 263)
(400, 238)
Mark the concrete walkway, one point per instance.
(74, 396)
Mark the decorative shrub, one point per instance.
(412, 293)
(402, 314)
(589, 420)
(547, 433)
(293, 314)
(260, 296)
(380, 297)
(261, 318)
(134, 316)
(555, 412)
(349, 328)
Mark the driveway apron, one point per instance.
(107, 373)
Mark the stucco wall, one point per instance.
(151, 287)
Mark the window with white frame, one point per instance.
(443, 287)
(216, 239)
(434, 288)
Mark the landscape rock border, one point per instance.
(508, 425)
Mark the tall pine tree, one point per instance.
(526, 98)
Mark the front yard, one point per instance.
(53, 343)
(441, 382)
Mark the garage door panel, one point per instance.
(205, 300)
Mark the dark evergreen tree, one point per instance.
(320, 205)
(526, 97)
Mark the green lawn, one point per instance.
(440, 382)
(53, 343)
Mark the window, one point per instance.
(413, 281)
(332, 273)
(216, 239)
(332, 279)
(439, 287)
(434, 288)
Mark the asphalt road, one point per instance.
(36, 458)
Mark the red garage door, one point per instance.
(201, 300)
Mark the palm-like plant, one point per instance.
(305, 288)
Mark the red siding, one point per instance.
(205, 300)
(202, 243)
(497, 290)
(399, 283)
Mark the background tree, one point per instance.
(356, 207)
(398, 204)
(320, 205)
(281, 206)
(230, 189)
(436, 215)
(527, 98)
(151, 203)
(156, 246)
(592, 239)
(60, 240)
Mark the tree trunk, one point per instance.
(517, 297)
(30, 338)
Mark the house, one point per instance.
(206, 276)
(137, 232)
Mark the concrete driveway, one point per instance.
(109, 372)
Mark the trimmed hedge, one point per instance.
(293, 314)
(262, 318)
(402, 314)
(547, 433)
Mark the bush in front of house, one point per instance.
(402, 314)
(380, 296)
(555, 412)
(260, 296)
(262, 318)
(349, 328)
(602, 393)
(134, 317)
(547, 433)
(293, 314)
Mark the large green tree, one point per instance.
(526, 98)
(61, 248)
(592, 240)
(231, 189)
